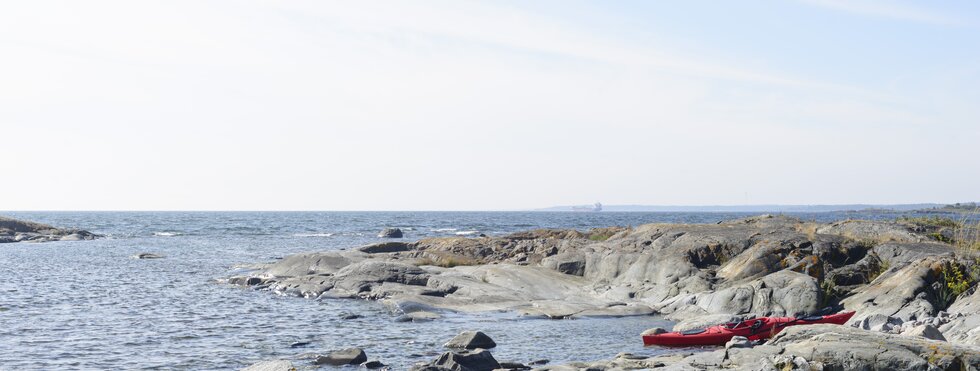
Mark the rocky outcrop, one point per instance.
(13, 230)
(699, 274)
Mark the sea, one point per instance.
(89, 305)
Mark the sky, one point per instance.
(496, 105)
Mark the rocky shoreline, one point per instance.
(13, 230)
(914, 292)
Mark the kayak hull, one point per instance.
(753, 329)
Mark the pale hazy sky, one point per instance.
(458, 105)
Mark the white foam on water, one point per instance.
(444, 230)
(466, 233)
(167, 234)
(313, 235)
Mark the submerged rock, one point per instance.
(418, 316)
(277, 365)
(471, 340)
(373, 364)
(147, 255)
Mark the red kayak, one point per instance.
(754, 329)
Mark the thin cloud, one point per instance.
(890, 10)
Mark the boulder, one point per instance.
(277, 365)
(963, 324)
(349, 356)
(467, 360)
(390, 233)
(567, 263)
(925, 331)
(878, 322)
(471, 340)
(738, 342)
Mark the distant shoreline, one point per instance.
(922, 207)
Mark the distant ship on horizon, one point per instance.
(596, 207)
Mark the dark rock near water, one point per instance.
(299, 344)
(390, 233)
(147, 255)
(467, 360)
(373, 364)
(349, 356)
(514, 366)
(471, 340)
(384, 247)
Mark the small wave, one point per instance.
(466, 233)
(167, 234)
(313, 235)
(444, 230)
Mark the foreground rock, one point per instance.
(813, 347)
(13, 230)
(698, 274)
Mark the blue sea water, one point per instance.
(89, 305)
